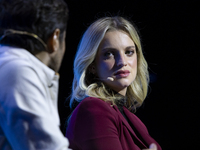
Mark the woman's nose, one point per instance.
(121, 60)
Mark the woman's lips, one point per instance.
(122, 73)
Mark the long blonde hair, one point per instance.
(84, 86)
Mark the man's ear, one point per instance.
(53, 43)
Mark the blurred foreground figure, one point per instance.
(32, 45)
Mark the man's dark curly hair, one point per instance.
(40, 17)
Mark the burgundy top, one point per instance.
(98, 125)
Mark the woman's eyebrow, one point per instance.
(110, 48)
(130, 47)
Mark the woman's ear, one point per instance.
(92, 68)
(53, 42)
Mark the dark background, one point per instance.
(171, 47)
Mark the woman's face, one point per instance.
(116, 58)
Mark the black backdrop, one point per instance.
(171, 47)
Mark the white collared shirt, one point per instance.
(29, 117)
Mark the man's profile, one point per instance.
(32, 45)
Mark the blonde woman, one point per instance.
(110, 82)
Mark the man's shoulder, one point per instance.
(17, 61)
(15, 66)
(17, 71)
(14, 58)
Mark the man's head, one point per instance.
(45, 18)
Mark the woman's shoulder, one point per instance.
(93, 104)
(93, 101)
(90, 115)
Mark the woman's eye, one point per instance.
(108, 54)
(129, 52)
